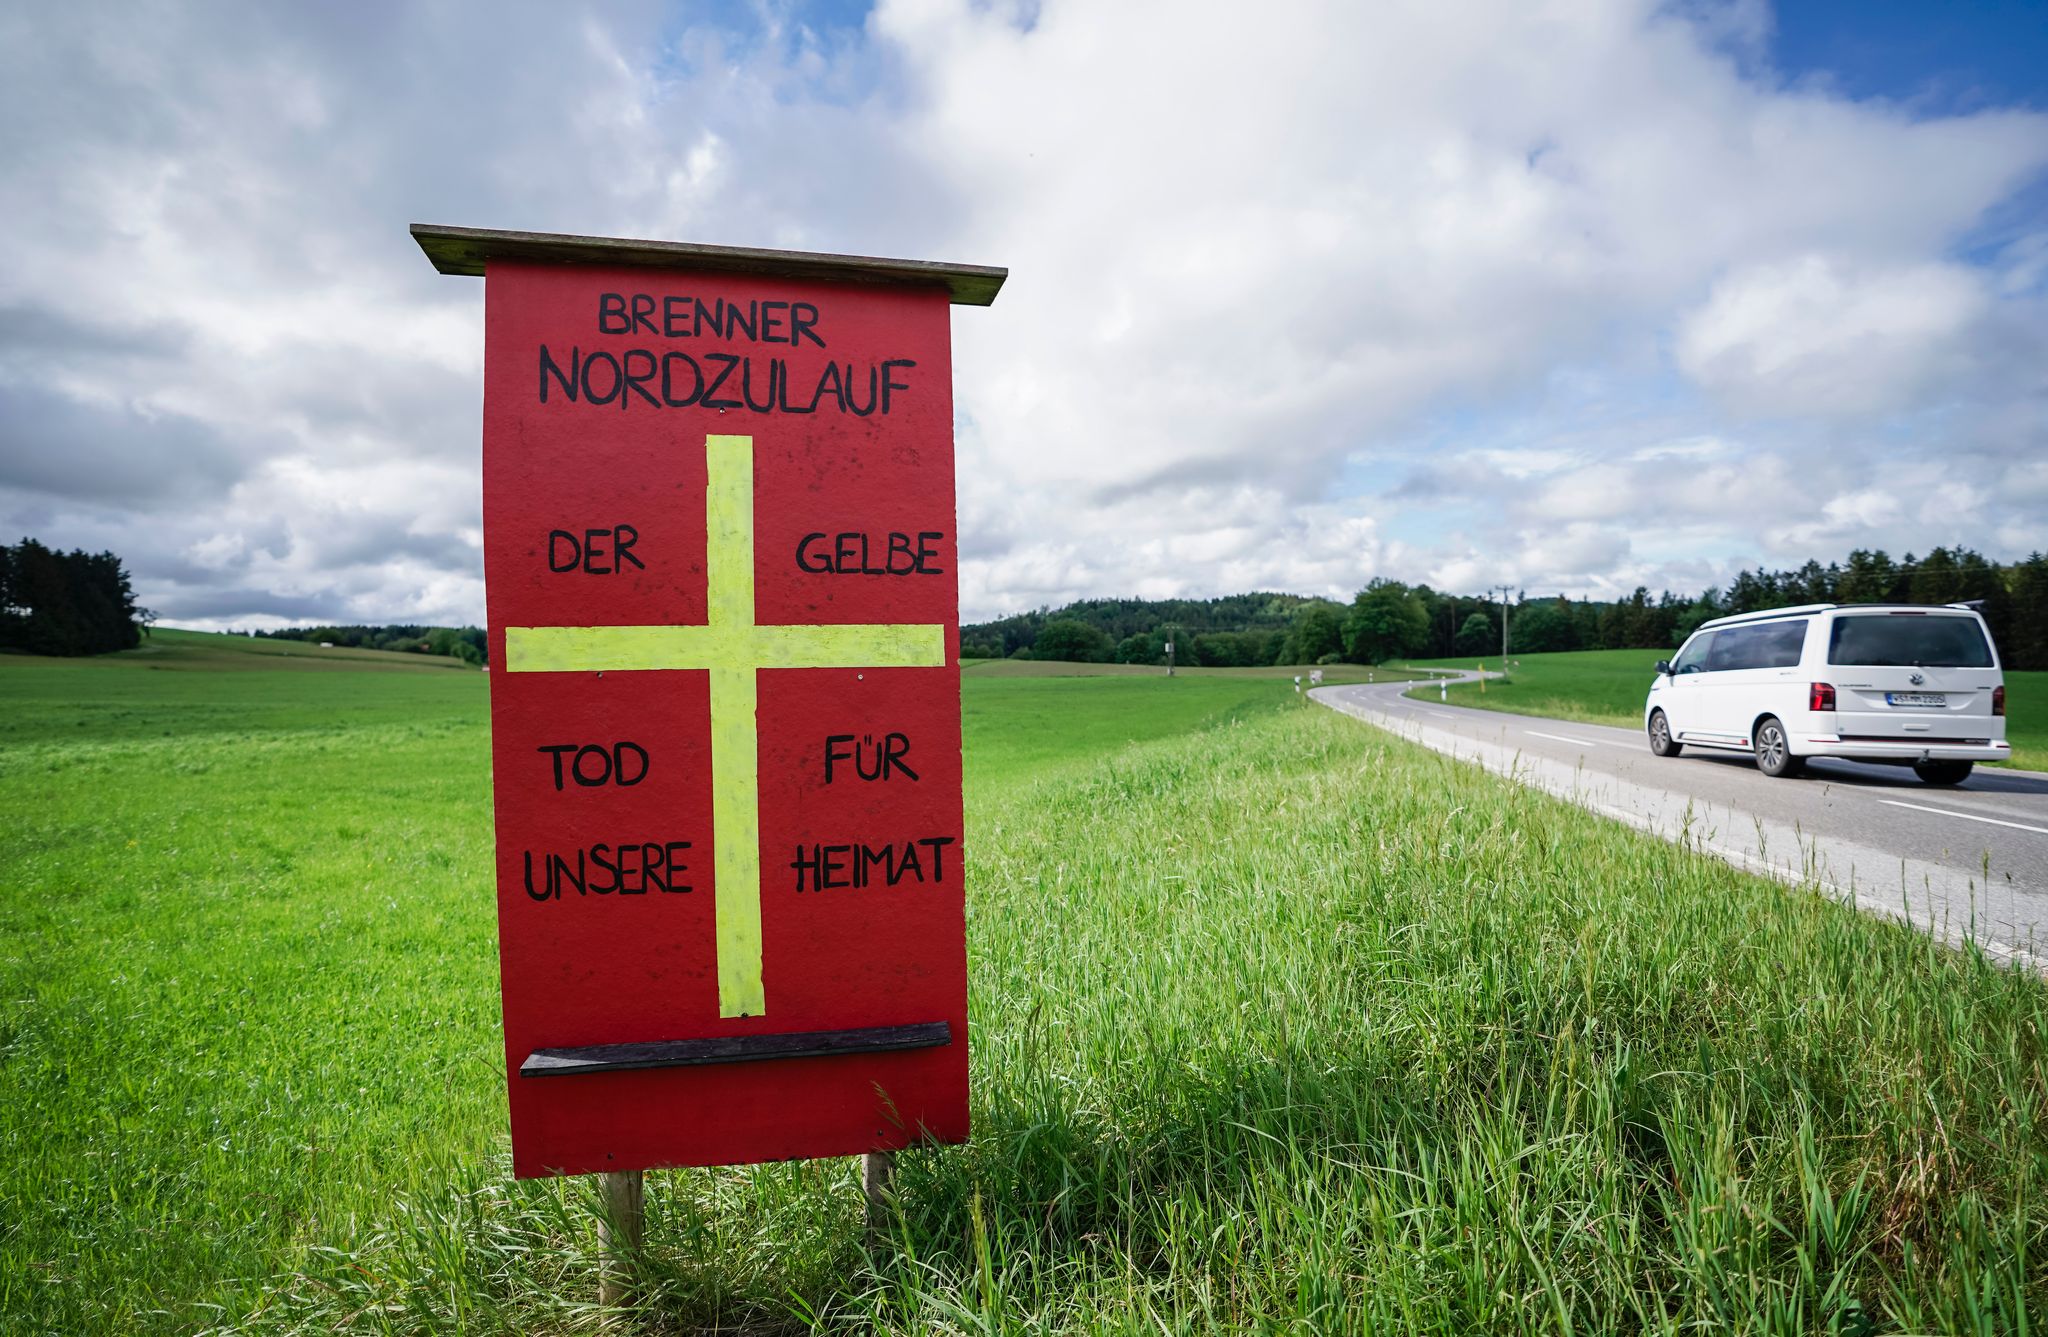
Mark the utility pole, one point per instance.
(1503, 625)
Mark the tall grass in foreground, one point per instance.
(1279, 1025)
(1291, 1025)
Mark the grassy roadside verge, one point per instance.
(1608, 687)
(1279, 1023)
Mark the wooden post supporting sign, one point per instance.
(877, 1187)
(722, 577)
(621, 1232)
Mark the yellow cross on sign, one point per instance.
(732, 647)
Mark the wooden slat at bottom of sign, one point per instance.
(734, 1049)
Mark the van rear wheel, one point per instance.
(1774, 752)
(1943, 772)
(1661, 741)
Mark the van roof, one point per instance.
(1765, 614)
(1807, 610)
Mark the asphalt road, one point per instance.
(1971, 861)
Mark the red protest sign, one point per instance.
(721, 571)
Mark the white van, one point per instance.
(1900, 684)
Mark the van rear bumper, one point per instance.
(1900, 749)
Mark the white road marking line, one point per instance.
(1967, 816)
(1441, 714)
(1560, 738)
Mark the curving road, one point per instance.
(1965, 862)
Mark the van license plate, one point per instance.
(1935, 699)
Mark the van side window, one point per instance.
(1782, 643)
(1734, 648)
(1693, 659)
(1758, 645)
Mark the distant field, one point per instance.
(1279, 1024)
(1056, 668)
(1608, 687)
(1598, 686)
(171, 687)
(1016, 724)
(170, 648)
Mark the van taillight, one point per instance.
(1821, 696)
(1998, 700)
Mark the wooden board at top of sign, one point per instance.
(722, 582)
(470, 250)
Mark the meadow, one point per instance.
(1060, 668)
(1608, 687)
(1280, 1024)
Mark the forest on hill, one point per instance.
(468, 644)
(1391, 620)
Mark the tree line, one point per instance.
(1391, 620)
(469, 644)
(1234, 631)
(66, 603)
(80, 603)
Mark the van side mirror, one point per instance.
(1664, 667)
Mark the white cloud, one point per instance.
(1433, 222)
(1604, 291)
(1699, 448)
(1816, 336)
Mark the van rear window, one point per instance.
(1923, 639)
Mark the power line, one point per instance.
(1503, 624)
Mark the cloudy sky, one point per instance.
(1577, 295)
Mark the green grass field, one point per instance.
(1608, 687)
(1280, 1024)
(1058, 668)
